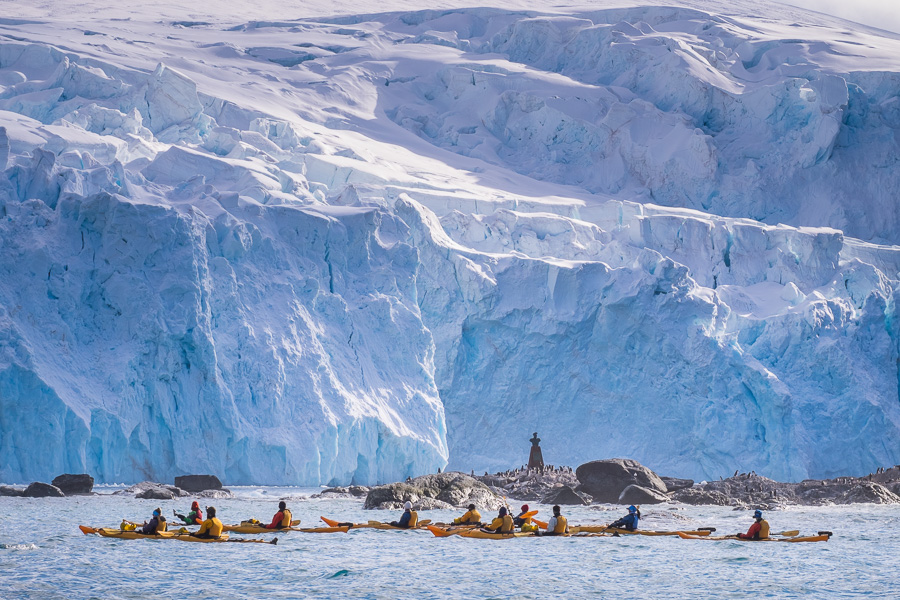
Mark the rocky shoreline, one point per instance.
(609, 481)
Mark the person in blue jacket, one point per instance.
(629, 521)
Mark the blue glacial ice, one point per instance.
(643, 232)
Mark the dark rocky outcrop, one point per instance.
(353, 491)
(750, 489)
(198, 483)
(605, 480)
(153, 491)
(534, 485)
(449, 489)
(42, 490)
(673, 484)
(6, 490)
(214, 494)
(157, 493)
(564, 495)
(72, 484)
(697, 496)
(636, 494)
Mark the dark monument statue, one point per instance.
(536, 458)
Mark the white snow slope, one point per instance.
(284, 246)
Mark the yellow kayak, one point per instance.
(612, 530)
(164, 535)
(821, 537)
(486, 535)
(374, 524)
(242, 528)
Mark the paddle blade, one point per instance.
(438, 532)
(789, 533)
(541, 524)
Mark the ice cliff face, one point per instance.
(355, 249)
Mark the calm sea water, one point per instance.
(44, 555)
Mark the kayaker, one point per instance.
(524, 521)
(409, 519)
(195, 517)
(472, 517)
(503, 523)
(629, 521)
(759, 530)
(157, 523)
(282, 518)
(558, 524)
(211, 527)
(521, 519)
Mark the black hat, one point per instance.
(282, 505)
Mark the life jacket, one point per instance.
(561, 524)
(161, 524)
(763, 529)
(286, 518)
(212, 527)
(504, 524)
(413, 518)
(472, 516)
(526, 527)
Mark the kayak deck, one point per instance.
(613, 530)
(164, 535)
(734, 538)
(262, 529)
(423, 524)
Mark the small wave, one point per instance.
(341, 573)
(19, 546)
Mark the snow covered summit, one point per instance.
(307, 248)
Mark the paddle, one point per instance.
(789, 533)
(242, 541)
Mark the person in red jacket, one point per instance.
(759, 530)
(282, 518)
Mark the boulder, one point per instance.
(6, 490)
(72, 485)
(673, 484)
(605, 480)
(453, 489)
(152, 490)
(157, 493)
(354, 491)
(42, 490)
(635, 494)
(214, 494)
(564, 495)
(198, 483)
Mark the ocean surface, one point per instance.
(44, 555)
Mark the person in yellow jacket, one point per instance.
(472, 517)
(502, 524)
(558, 524)
(211, 527)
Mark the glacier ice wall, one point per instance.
(355, 249)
